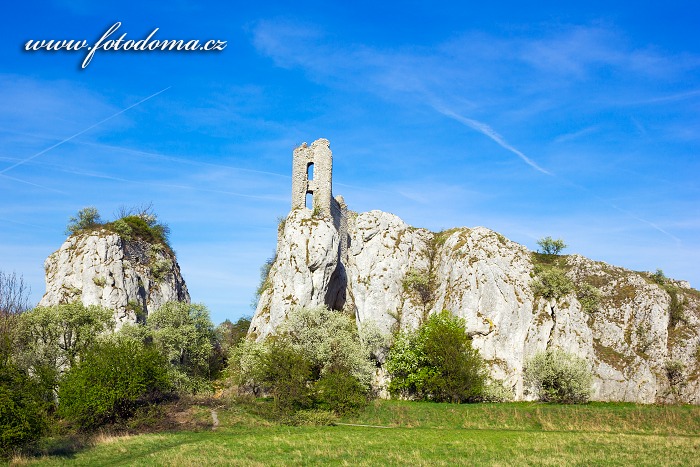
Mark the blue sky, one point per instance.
(579, 120)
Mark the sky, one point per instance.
(576, 120)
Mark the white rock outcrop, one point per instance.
(131, 277)
(479, 275)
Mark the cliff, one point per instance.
(131, 276)
(640, 333)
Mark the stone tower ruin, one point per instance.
(312, 176)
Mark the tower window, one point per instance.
(310, 171)
(309, 200)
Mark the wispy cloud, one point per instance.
(566, 137)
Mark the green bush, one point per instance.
(22, 410)
(420, 283)
(286, 376)
(675, 372)
(659, 277)
(676, 308)
(558, 376)
(318, 360)
(495, 391)
(551, 282)
(112, 380)
(340, 392)
(264, 283)
(589, 298)
(329, 340)
(437, 362)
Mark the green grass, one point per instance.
(422, 434)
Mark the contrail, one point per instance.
(649, 223)
(24, 161)
(33, 184)
(170, 185)
(491, 133)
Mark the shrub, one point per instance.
(286, 375)
(419, 283)
(87, 218)
(659, 277)
(329, 340)
(437, 362)
(589, 297)
(550, 246)
(674, 372)
(14, 300)
(551, 282)
(229, 334)
(340, 392)
(247, 367)
(495, 391)
(318, 359)
(676, 313)
(557, 376)
(112, 380)
(22, 410)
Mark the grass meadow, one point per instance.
(409, 433)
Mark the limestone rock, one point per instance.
(100, 268)
(486, 279)
(306, 260)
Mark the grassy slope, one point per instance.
(422, 434)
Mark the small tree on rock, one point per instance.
(87, 218)
(550, 246)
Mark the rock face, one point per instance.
(641, 336)
(132, 277)
(486, 279)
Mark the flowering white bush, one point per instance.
(558, 376)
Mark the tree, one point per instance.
(54, 337)
(558, 376)
(185, 334)
(227, 337)
(22, 409)
(286, 375)
(329, 340)
(550, 246)
(436, 362)
(113, 379)
(318, 357)
(229, 334)
(87, 218)
(14, 299)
